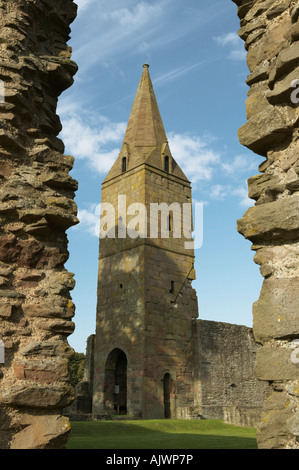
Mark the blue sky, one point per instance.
(198, 68)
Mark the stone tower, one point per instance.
(146, 307)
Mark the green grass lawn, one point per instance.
(160, 434)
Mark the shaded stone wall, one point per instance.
(36, 208)
(224, 370)
(270, 30)
(212, 376)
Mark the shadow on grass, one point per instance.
(160, 434)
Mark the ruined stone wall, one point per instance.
(270, 30)
(36, 208)
(224, 371)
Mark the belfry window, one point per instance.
(166, 164)
(124, 164)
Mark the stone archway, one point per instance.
(115, 390)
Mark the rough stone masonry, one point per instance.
(36, 208)
(270, 30)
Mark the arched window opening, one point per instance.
(166, 164)
(116, 382)
(124, 164)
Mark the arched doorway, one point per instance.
(115, 392)
(166, 395)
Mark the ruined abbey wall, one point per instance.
(36, 209)
(227, 388)
(270, 30)
(213, 378)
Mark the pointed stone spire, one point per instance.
(145, 127)
(145, 139)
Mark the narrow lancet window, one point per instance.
(124, 164)
(166, 164)
(169, 222)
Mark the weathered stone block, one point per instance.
(58, 326)
(264, 130)
(287, 60)
(275, 314)
(5, 310)
(273, 432)
(277, 220)
(42, 372)
(11, 294)
(42, 432)
(60, 308)
(46, 348)
(256, 103)
(274, 363)
(283, 89)
(264, 182)
(294, 32)
(34, 396)
(277, 9)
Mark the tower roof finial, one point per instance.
(145, 66)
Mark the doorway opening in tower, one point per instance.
(115, 394)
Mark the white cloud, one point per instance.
(83, 4)
(231, 39)
(221, 192)
(178, 72)
(115, 30)
(234, 43)
(89, 221)
(194, 156)
(136, 16)
(91, 137)
(118, 29)
(242, 193)
(241, 163)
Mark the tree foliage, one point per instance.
(76, 367)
